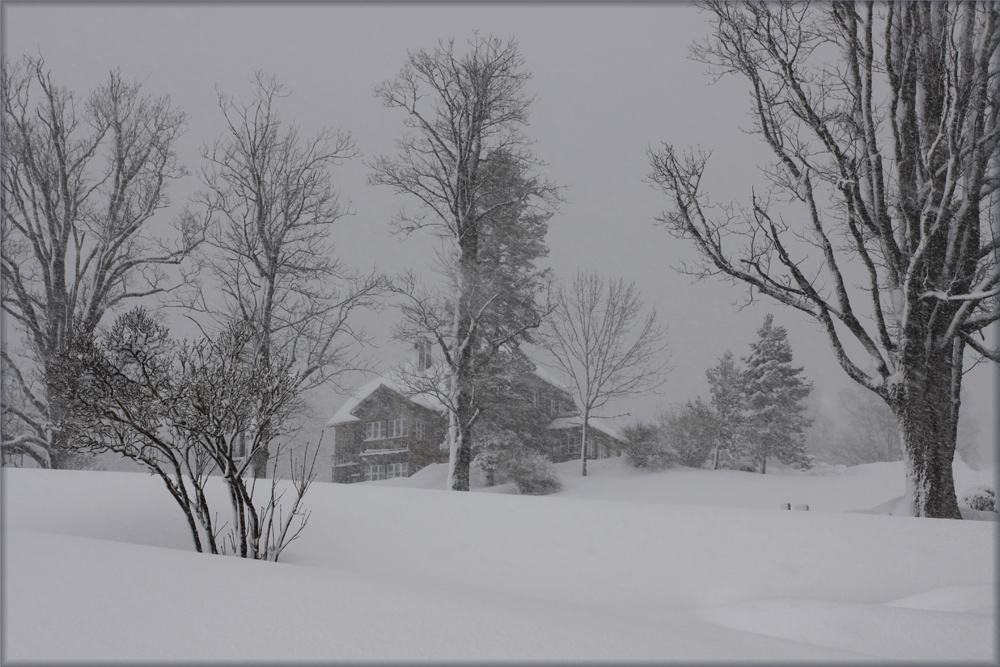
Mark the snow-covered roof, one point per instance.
(543, 374)
(344, 414)
(576, 421)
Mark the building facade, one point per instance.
(381, 433)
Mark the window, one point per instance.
(394, 428)
(568, 444)
(424, 360)
(397, 470)
(399, 428)
(373, 473)
(375, 431)
(534, 398)
(390, 471)
(553, 406)
(418, 428)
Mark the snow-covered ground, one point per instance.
(622, 565)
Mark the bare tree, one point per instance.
(119, 394)
(81, 183)
(272, 208)
(883, 123)
(186, 411)
(466, 112)
(599, 340)
(872, 432)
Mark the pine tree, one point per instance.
(773, 392)
(508, 429)
(691, 432)
(725, 382)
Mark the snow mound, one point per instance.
(975, 598)
(878, 631)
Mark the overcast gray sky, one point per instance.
(609, 80)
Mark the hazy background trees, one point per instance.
(83, 179)
(758, 411)
(895, 257)
(868, 432)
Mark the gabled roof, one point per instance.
(545, 376)
(576, 421)
(344, 413)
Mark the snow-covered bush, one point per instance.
(646, 447)
(981, 498)
(533, 474)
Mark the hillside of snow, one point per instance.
(622, 565)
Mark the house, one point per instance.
(382, 433)
(379, 433)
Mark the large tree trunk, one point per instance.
(461, 448)
(465, 344)
(927, 414)
(61, 455)
(460, 422)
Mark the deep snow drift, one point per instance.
(622, 565)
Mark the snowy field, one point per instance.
(623, 565)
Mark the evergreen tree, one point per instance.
(691, 432)
(646, 447)
(725, 382)
(508, 428)
(774, 392)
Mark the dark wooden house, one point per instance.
(380, 433)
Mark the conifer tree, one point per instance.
(691, 432)
(508, 428)
(725, 382)
(774, 390)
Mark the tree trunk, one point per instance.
(927, 411)
(464, 344)
(60, 455)
(461, 456)
(583, 442)
(459, 474)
